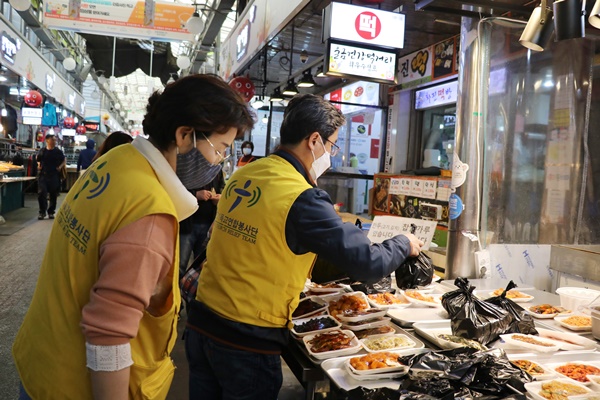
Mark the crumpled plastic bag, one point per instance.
(473, 373)
(363, 393)
(472, 318)
(521, 321)
(415, 271)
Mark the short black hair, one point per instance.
(203, 101)
(248, 143)
(307, 113)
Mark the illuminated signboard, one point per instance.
(10, 47)
(434, 96)
(364, 25)
(363, 62)
(31, 112)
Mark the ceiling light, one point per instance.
(69, 63)
(276, 95)
(538, 32)
(112, 83)
(95, 94)
(258, 103)
(195, 24)
(265, 119)
(290, 89)
(101, 79)
(320, 73)
(4, 113)
(303, 56)
(183, 62)
(594, 18)
(3, 79)
(117, 106)
(307, 80)
(569, 19)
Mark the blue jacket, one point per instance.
(86, 156)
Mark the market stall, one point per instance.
(555, 345)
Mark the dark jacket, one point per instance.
(86, 156)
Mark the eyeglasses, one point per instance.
(335, 149)
(219, 154)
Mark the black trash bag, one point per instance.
(480, 374)
(472, 318)
(362, 393)
(521, 321)
(415, 271)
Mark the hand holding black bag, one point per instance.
(521, 321)
(415, 271)
(472, 318)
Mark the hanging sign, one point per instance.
(436, 95)
(385, 227)
(124, 18)
(366, 63)
(363, 25)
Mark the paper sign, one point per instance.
(405, 186)
(395, 186)
(417, 188)
(429, 189)
(385, 227)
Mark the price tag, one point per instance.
(429, 189)
(385, 227)
(405, 186)
(395, 185)
(417, 187)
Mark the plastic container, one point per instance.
(572, 298)
(596, 322)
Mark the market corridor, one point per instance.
(23, 241)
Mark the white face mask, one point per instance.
(321, 164)
(247, 151)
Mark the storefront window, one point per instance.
(437, 137)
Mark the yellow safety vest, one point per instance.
(251, 275)
(118, 189)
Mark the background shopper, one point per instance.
(86, 156)
(272, 221)
(102, 321)
(247, 157)
(50, 160)
(113, 140)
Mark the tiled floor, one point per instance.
(22, 243)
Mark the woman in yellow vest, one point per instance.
(272, 221)
(102, 321)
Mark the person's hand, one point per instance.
(203, 195)
(215, 198)
(415, 244)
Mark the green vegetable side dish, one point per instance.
(462, 341)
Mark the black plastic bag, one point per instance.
(472, 318)
(480, 374)
(415, 271)
(362, 393)
(521, 321)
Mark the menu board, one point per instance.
(443, 59)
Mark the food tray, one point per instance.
(355, 346)
(410, 343)
(319, 310)
(533, 388)
(544, 316)
(561, 320)
(525, 299)
(316, 289)
(406, 317)
(508, 339)
(431, 329)
(376, 376)
(421, 303)
(553, 366)
(547, 374)
(374, 324)
(335, 297)
(337, 372)
(577, 342)
(373, 314)
(397, 295)
(396, 368)
(304, 320)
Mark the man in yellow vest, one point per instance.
(272, 221)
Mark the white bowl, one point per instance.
(573, 297)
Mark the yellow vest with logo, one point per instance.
(118, 189)
(251, 275)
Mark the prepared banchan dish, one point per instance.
(387, 342)
(331, 344)
(422, 299)
(361, 315)
(575, 322)
(305, 326)
(555, 389)
(387, 300)
(375, 363)
(530, 342)
(380, 330)
(514, 295)
(577, 371)
(309, 306)
(453, 342)
(567, 340)
(532, 368)
(546, 311)
(348, 303)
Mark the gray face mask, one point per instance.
(194, 170)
